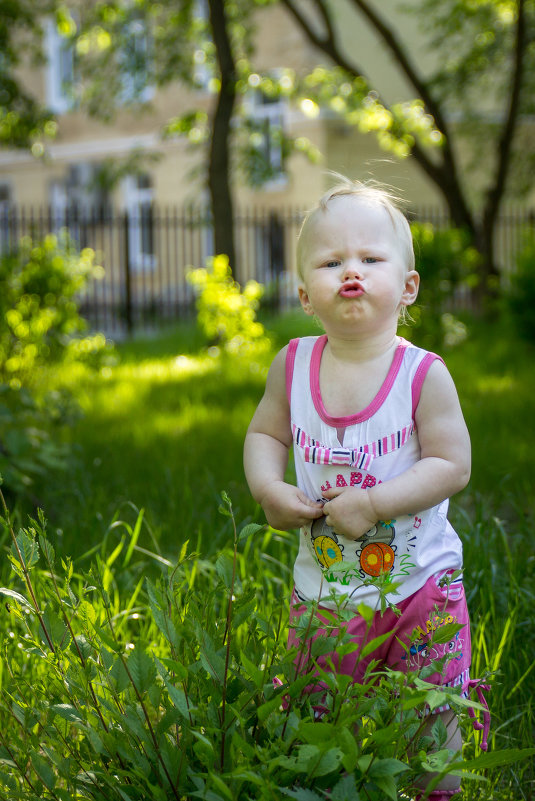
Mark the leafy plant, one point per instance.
(226, 313)
(40, 326)
(39, 319)
(446, 264)
(30, 442)
(181, 687)
(521, 294)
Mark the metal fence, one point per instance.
(146, 254)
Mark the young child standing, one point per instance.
(379, 441)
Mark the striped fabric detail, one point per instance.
(362, 458)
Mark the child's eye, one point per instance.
(370, 260)
(332, 263)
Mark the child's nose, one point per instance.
(352, 269)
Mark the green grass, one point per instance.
(163, 430)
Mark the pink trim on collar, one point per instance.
(371, 409)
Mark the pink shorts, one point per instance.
(410, 645)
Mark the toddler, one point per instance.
(379, 441)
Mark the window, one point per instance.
(6, 229)
(75, 199)
(267, 115)
(134, 62)
(139, 195)
(60, 70)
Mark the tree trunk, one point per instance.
(219, 156)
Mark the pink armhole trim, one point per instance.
(371, 409)
(290, 362)
(419, 378)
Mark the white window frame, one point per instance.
(136, 200)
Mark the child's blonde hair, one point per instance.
(373, 193)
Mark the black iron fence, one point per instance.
(146, 254)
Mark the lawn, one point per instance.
(162, 430)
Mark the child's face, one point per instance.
(354, 268)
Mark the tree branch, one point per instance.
(442, 174)
(505, 144)
(326, 43)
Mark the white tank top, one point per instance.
(379, 443)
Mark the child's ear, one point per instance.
(412, 284)
(305, 301)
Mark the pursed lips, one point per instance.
(351, 289)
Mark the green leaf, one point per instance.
(210, 659)
(265, 710)
(176, 667)
(366, 612)
(220, 786)
(249, 530)
(67, 712)
(47, 549)
(345, 790)
(159, 613)
(43, 770)
(439, 732)
(386, 767)
(316, 732)
(372, 645)
(56, 628)
(119, 675)
(388, 785)
(445, 633)
(134, 538)
(224, 568)
(27, 548)
(179, 699)
(142, 669)
(17, 597)
(253, 672)
(301, 794)
(346, 740)
(496, 759)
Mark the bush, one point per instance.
(226, 313)
(39, 327)
(446, 263)
(39, 318)
(520, 297)
(182, 688)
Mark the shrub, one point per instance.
(40, 326)
(446, 263)
(166, 689)
(520, 297)
(39, 318)
(226, 313)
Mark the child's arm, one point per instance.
(443, 469)
(266, 449)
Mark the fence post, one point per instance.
(127, 274)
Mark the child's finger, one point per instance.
(313, 512)
(334, 492)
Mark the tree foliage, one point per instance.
(22, 117)
(480, 90)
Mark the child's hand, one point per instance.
(287, 507)
(349, 511)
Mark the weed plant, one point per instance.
(182, 688)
